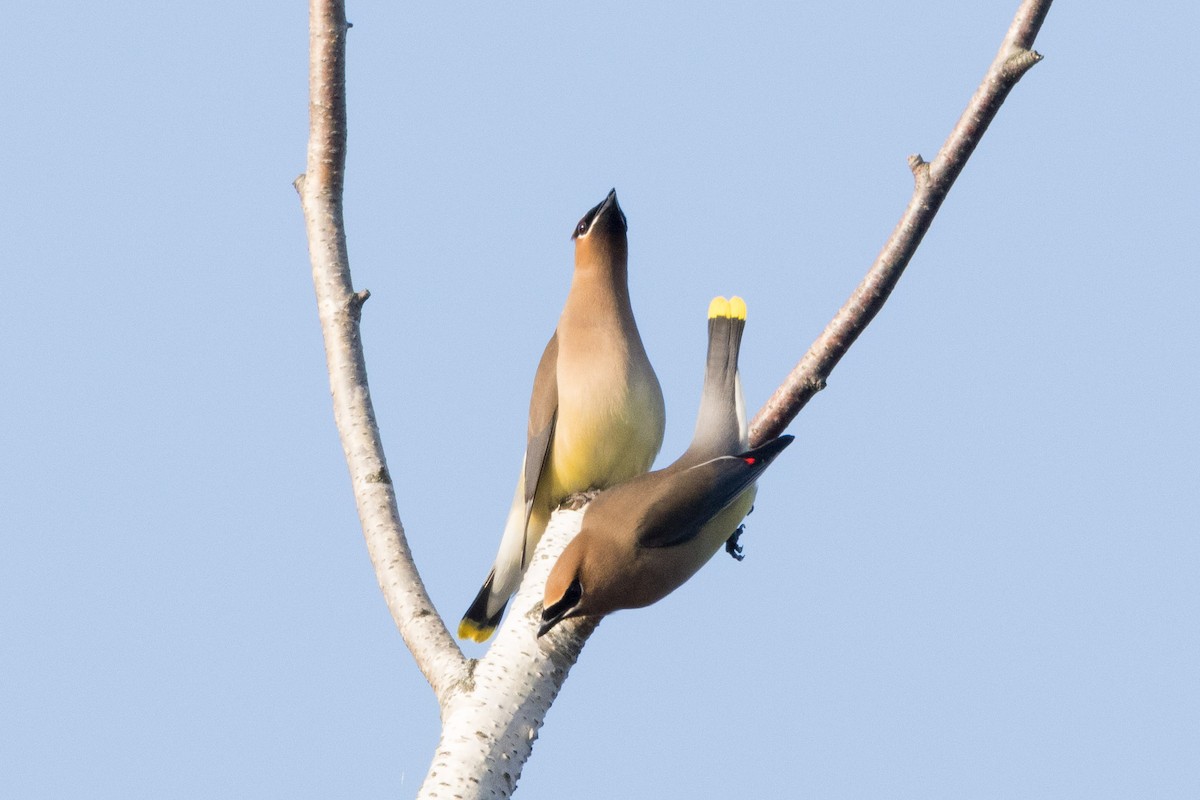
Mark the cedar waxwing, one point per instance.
(596, 416)
(641, 540)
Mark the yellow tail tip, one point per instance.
(719, 307)
(733, 308)
(737, 307)
(468, 629)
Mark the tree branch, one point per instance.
(932, 183)
(489, 730)
(493, 708)
(339, 306)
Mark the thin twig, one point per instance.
(339, 306)
(932, 182)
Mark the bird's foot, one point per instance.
(578, 500)
(731, 544)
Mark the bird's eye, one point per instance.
(581, 228)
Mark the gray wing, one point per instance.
(543, 414)
(683, 503)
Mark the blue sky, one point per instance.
(973, 575)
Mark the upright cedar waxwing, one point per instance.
(596, 417)
(641, 540)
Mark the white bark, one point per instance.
(339, 308)
(488, 727)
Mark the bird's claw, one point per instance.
(578, 500)
(732, 547)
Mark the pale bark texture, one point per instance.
(339, 308)
(488, 729)
(493, 708)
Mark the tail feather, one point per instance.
(476, 624)
(720, 423)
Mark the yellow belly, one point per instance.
(600, 450)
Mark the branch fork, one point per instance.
(492, 708)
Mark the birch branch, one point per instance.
(493, 708)
(933, 181)
(339, 307)
(488, 730)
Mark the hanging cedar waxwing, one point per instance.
(641, 540)
(596, 416)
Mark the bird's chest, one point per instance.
(604, 433)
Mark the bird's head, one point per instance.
(600, 235)
(564, 588)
